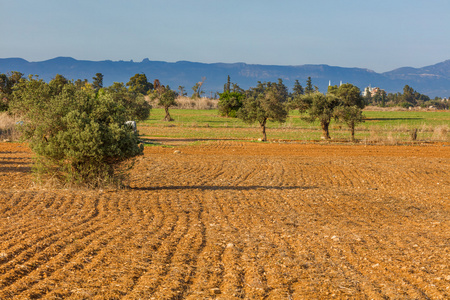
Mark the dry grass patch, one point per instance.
(378, 108)
(201, 103)
(441, 133)
(189, 103)
(8, 127)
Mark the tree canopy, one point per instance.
(139, 84)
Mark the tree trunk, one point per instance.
(263, 126)
(325, 132)
(167, 117)
(352, 128)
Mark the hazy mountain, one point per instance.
(432, 80)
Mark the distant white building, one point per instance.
(372, 91)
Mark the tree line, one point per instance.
(409, 98)
(273, 101)
(266, 101)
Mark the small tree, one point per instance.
(350, 106)
(166, 98)
(309, 88)
(298, 89)
(197, 88)
(265, 102)
(156, 84)
(97, 82)
(319, 107)
(139, 84)
(78, 136)
(409, 95)
(227, 86)
(181, 90)
(350, 115)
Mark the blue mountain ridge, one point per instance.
(430, 80)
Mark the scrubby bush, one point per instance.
(78, 136)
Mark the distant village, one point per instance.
(410, 99)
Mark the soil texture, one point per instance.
(234, 220)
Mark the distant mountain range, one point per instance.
(431, 80)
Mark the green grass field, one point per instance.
(379, 126)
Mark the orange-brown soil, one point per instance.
(235, 220)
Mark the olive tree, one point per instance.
(265, 102)
(350, 115)
(78, 136)
(318, 107)
(351, 103)
(166, 98)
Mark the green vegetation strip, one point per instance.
(385, 125)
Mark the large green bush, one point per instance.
(230, 103)
(78, 135)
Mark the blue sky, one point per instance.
(379, 35)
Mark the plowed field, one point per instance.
(235, 220)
